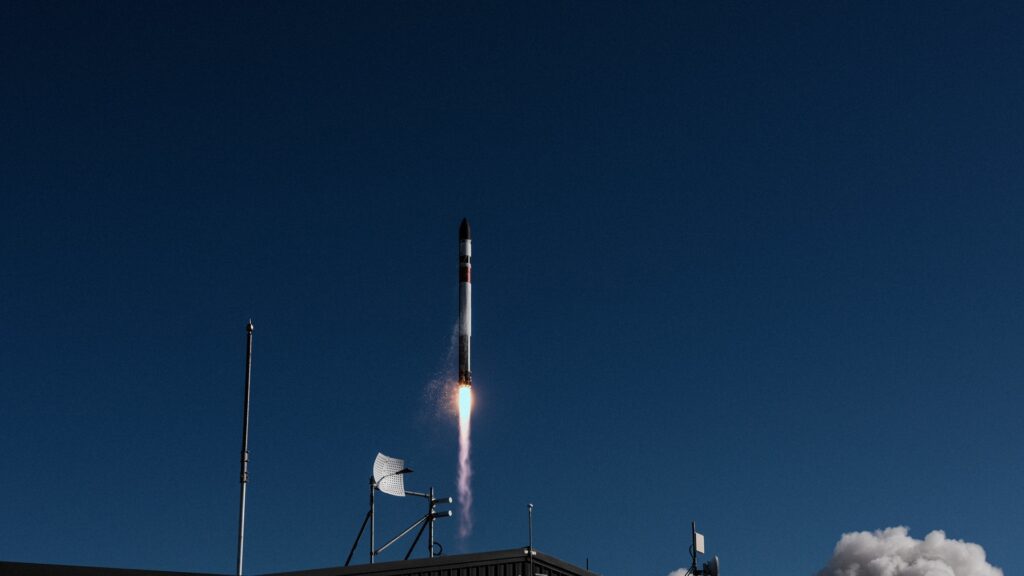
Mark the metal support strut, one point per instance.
(426, 522)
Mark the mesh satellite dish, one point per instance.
(388, 474)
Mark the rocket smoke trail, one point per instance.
(465, 379)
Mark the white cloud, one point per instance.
(893, 552)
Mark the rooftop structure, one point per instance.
(514, 562)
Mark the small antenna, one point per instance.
(529, 512)
(244, 477)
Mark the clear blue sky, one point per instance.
(759, 266)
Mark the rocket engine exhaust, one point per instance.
(465, 388)
(465, 489)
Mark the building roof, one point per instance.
(514, 562)
(29, 569)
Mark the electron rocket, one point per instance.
(465, 303)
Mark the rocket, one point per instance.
(465, 303)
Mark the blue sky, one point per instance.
(752, 265)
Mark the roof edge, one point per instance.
(441, 562)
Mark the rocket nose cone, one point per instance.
(464, 230)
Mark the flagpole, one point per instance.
(245, 450)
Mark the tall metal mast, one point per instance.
(245, 450)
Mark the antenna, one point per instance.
(529, 512)
(388, 477)
(711, 568)
(244, 477)
(388, 474)
(697, 547)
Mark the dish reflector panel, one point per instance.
(385, 475)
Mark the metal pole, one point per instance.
(373, 488)
(529, 508)
(245, 450)
(430, 533)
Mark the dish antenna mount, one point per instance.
(697, 547)
(388, 477)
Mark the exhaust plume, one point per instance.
(893, 552)
(465, 466)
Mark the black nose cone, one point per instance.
(464, 230)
